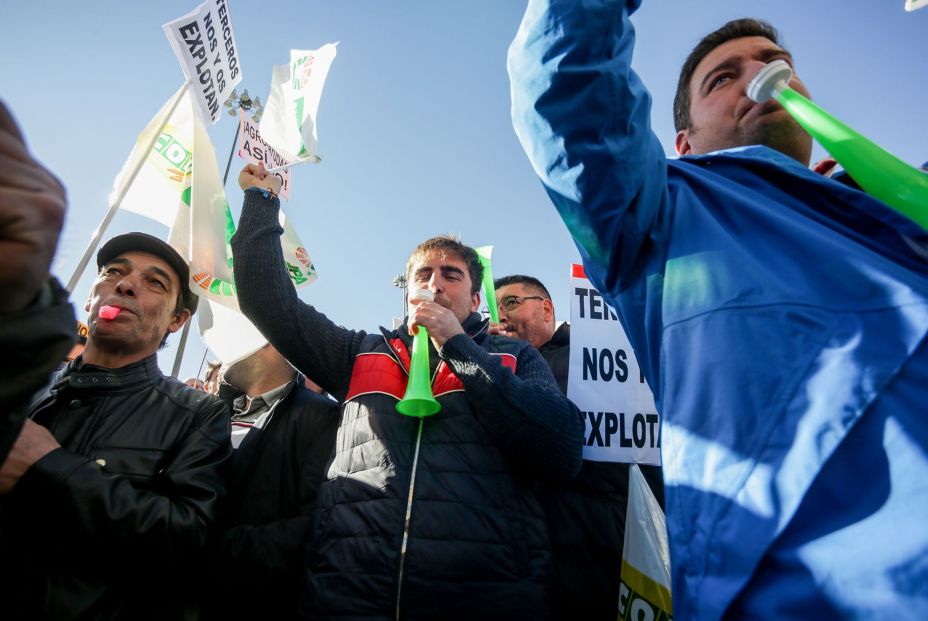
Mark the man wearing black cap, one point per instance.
(112, 485)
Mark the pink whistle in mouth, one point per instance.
(109, 312)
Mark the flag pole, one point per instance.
(315, 159)
(95, 238)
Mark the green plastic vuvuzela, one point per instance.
(489, 288)
(419, 400)
(880, 173)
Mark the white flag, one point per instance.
(289, 121)
(154, 190)
(205, 46)
(227, 332)
(644, 587)
(211, 226)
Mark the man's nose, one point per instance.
(435, 283)
(126, 286)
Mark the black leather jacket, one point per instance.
(35, 341)
(112, 525)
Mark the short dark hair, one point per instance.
(735, 29)
(526, 281)
(452, 245)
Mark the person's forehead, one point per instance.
(515, 288)
(436, 259)
(145, 261)
(742, 47)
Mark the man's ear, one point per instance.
(179, 320)
(548, 309)
(682, 142)
(475, 302)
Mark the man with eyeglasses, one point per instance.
(586, 516)
(527, 312)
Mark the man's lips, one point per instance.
(759, 109)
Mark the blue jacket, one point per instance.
(780, 318)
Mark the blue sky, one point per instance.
(414, 122)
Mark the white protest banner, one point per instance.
(606, 383)
(204, 44)
(253, 149)
(289, 120)
(155, 189)
(644, 588)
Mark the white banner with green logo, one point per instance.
(644, 588)
(154, 190)
(289, 120)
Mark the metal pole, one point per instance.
(202, 362)
(95, 238)
(225, 177)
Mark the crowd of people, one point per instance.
(789, 377)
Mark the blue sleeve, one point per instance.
(583, 117)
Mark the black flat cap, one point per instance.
(142, 242)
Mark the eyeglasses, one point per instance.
(512, 302)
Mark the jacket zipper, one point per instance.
(412, 479)
(408, 521)
(412, 489)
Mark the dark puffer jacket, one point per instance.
(114, 524)
(473, 534)
(453, 530)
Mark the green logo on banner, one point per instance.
(296, 274)
(172, 150)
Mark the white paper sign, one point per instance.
(204, 44)
(606, 383)
(253, 149)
